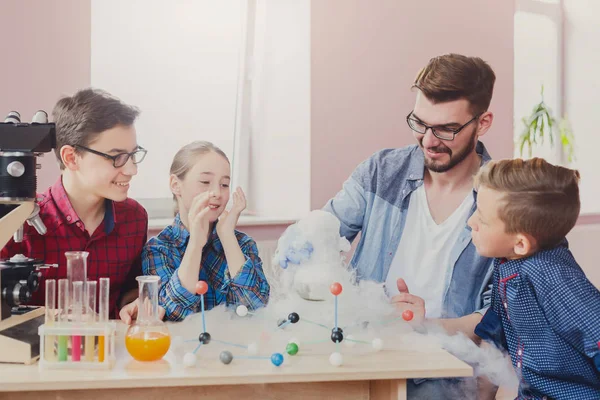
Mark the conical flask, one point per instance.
(148, 338)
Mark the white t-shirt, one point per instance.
(423, 255)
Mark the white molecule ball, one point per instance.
(241, 310)
(176, 343)
(336, 359)
(253, 349)
(189, 360)
(349, 341)
(377, 344)
(294, 340)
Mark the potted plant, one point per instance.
(541, 125)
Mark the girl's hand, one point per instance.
(199, 220)
(229, 219)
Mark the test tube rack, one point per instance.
(74, 336)
(57, 351)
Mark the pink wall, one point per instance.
(46, 54)
(365, 56)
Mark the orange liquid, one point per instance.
(100, 348)
(148, 346)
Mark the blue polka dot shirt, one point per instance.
(546, 314)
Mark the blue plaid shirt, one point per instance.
(547, 315)
(162, 256)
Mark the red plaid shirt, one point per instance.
(115, 247)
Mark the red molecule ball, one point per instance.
(335, 288)
(407, 315)
(201, 287)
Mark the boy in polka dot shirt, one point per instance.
(544, 310)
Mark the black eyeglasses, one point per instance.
(439, 132)
(137, 156)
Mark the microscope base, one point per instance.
(19, 338)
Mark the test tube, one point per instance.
(77, 308)
(49, 353)
(103, 314)
(90, 310)
(63, 306)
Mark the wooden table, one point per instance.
(365, 374)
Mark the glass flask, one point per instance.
(148, 338)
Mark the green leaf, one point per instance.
(533, 129)
(523, 139)
(567, 139)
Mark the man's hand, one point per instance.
(406, 301)
(229, 219)
(130, 311)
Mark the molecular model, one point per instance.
(293, 346)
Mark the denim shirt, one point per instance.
(374, 201)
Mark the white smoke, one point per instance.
(312, 253)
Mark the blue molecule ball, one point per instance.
(277, 359)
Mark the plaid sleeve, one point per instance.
(177, 300)
(135, 271)
(249, 286)
(130, 282)
(11, 248)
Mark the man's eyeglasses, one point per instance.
(440, 132)
(137, 156)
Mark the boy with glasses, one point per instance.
(87, 209)
(411, 206)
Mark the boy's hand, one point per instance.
(130, 311)
(228, 220)
(406, 301)
(198, 218)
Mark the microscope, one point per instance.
(20, 145)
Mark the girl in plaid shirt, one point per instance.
(202, 243)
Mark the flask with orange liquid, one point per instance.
(148, 338)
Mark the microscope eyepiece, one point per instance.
(13, 117)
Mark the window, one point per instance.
(538, 42)
(554, 46)
(233, 72)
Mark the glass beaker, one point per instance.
(148, 338)
(76, 266)
(76, 272)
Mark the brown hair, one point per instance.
(82, 117)
(186, 156)
(453, 76)
(540, 199)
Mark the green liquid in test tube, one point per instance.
(63, 308)
(49, 351)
